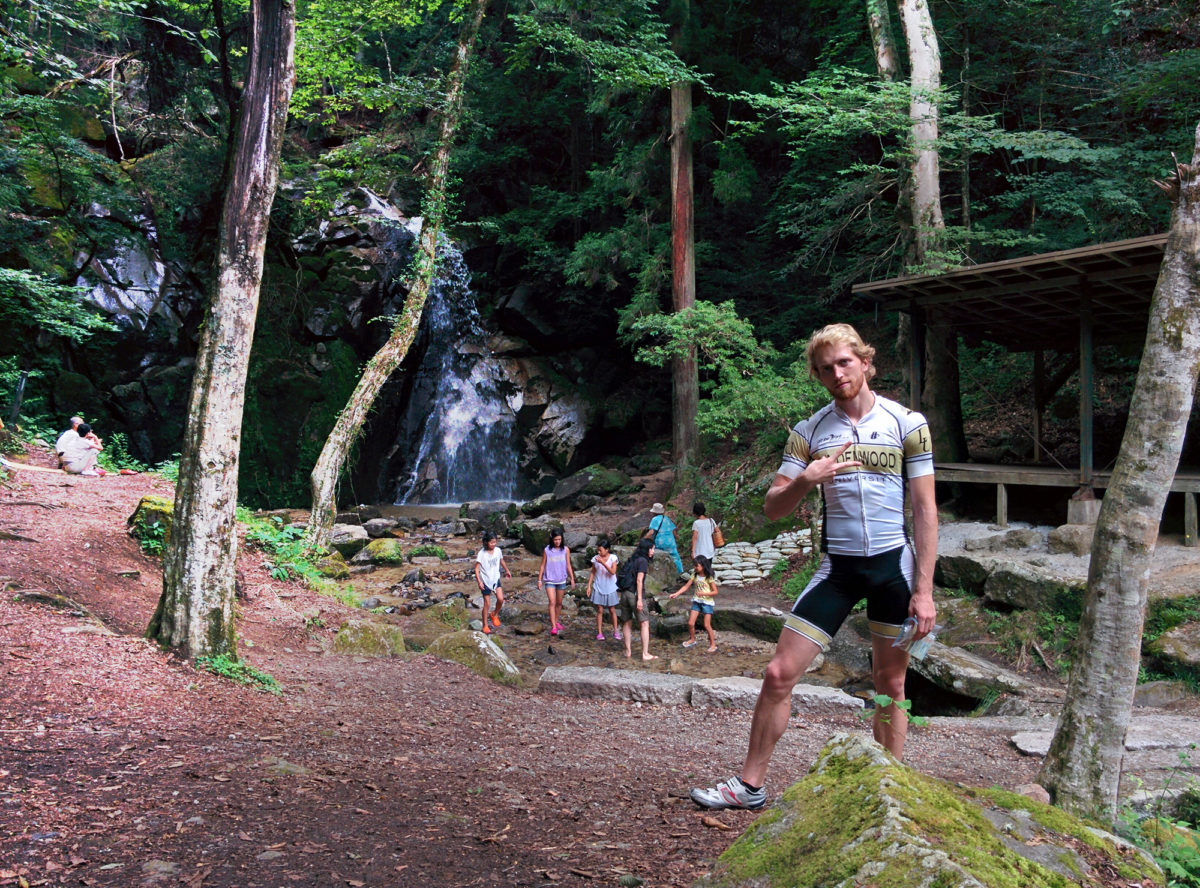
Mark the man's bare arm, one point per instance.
(925, 533)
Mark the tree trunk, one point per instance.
(685, 380)
(887, 61)
(325, 474)
(195, 612)
(1083, 767)
(940, 398)
(685, 377)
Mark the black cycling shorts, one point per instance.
(842, 581)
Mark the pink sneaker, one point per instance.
(554, 630)
(599, 636)
(558, 627)
(618, 636)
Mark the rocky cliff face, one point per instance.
(326, 297)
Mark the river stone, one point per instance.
(575, 540)
(369, 638)
(538, 506)
(349, 539)
(738, 692)
(430, 623)
(1072, 539)
(377, 527)
(383, 551)
(478, 653)
(957, 670)
(1180, 646)
(860, 817)
(1162, 694)
(638, 685)
(333, 566)
(962, 571)
(1030, 587)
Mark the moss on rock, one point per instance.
(369, 638)
(152, 510)
(862, 818)
(478, 653)
(426, 626)
(333, 565)
(382, 551)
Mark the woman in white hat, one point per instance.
(664, 534)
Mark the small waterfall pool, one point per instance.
(458, 432)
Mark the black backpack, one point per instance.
(627, 575)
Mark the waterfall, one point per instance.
(458, 429)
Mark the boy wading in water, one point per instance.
(869, 455)
(488, 564)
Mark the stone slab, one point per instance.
(1145, 733)
(618, 684)
(739, 692)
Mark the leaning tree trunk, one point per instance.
(940, 399)
(684, 374)
(1083, 767)
(195, 612)
(324, 477)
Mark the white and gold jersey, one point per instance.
(864, 505)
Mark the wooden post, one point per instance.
(1086, 375)
(1039, 401)
(1001, 505)
(1189, 519)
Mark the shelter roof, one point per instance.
(1035, 302)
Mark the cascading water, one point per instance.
(465, 431)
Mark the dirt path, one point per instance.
(121, 766)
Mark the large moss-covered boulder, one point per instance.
(1029, 587)
(152, 510)
(369, 638)
(862, 818)
(429, 624)
(333, 566)
(1180, 647)
(383, 551)
(477, 652)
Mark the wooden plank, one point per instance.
(1044, 476)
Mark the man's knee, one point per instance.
(779, 678)
(890, 682)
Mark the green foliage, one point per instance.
(116, 456)
(169, 469)
(428, 549)
(883, 701)
(1165, 614)
(288, 556)
(235, 670)
(1168, 833)
(152, 537)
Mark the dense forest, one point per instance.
(118, 118)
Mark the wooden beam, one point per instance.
(1189, 519)
(1086, 376)
(1001, 506)
(1039, 401)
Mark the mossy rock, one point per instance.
(862, 818)
(429, 624)
(744, 519)
(150, 510)
(538, 506)
(369, 638)
(334, 566)
(478, 653)
(604, 481)
(383, 551)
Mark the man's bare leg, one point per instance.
(793, 655)
(889, 666)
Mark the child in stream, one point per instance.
(602, 587)
(702, 601)
(555, 574)
(488, 564)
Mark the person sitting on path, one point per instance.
(702, 533)
(635, 602)
(702, 601)
(70, 434)
(489, 561)
(602, 587)
(80, 449)
(664, 535)
(869, 455)
(555, 574)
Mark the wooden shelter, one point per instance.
(1066, 300)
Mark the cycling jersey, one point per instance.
(863, 507)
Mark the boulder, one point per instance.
(333, 566)
(369, 638)
(538, 506)
(377, 527)
(739, 692)
(427, 625)
(563, 427)
(1014, 539)
(483, 511)
(152, 510)
(478, 653)
(1072, 539)
(1029, 587)
(384, 551)
(535, 533)
(956, 670)
(1180, 646)
(349, 539)
(860, 817)
(962, 571)
(575, 540)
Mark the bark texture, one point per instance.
(324, 477)
(1083, 766)
(887, 60)
(195, 611)
(684, 374)
(940, 399)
